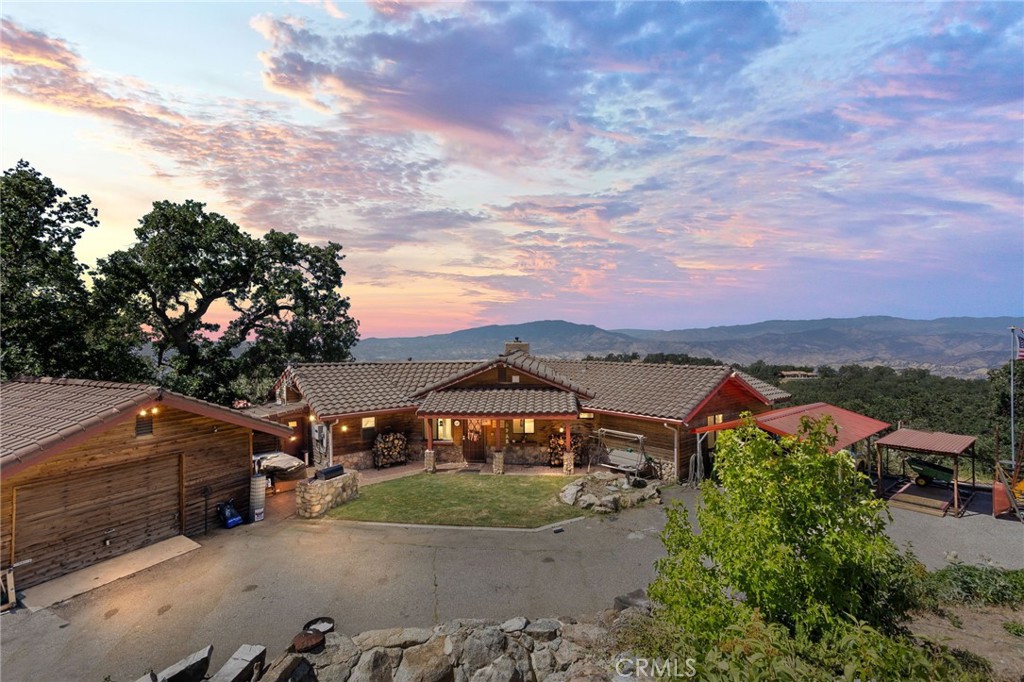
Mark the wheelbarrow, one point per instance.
(928, 472)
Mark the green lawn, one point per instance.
(454, 499)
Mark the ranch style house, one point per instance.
(521, 406)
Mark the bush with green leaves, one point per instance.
(794, 531)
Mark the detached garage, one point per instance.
(90, 470)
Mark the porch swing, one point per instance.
(626, 452)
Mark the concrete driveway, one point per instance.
(260, 583)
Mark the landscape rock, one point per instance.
(514, 624)
(545, 629)
(392, 637)
(481, 647)
(339, 656)
(425, 663)
(570, 493)
(637, 599)
(502, 670)
(290, 667)
(587, 501)
(374, 666)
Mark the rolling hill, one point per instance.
(964, 347)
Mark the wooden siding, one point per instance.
(113, 480)
(352, 440)
(659, 442)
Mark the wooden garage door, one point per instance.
(69, 523)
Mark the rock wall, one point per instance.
(544, 650)
(314, 498)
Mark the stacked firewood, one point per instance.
(388, 449)
(556, 449)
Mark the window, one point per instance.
(144, 423)
(586, 415)
(443, 429)
(713, 435)
(522, 426)
(369, 427)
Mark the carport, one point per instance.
(932, 443)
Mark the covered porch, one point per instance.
(500, 427)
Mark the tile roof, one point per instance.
(39, 414)
(337, 388)
(658, 391)
(527, 364)
(499, 401)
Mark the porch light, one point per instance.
(561, 429)
(344, 427)
(142, 413)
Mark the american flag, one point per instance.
(1020, 345)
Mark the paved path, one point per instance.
(260, 583)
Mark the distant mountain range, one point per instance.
(965, 347)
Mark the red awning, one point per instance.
(853, 427)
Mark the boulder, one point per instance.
(425, 663)
(393, 637)
(482, 647)
(502, 670)
(544, 630)
(571, 492)
(290, 667)
(587, 501)
(514, 624)
(636, 599)
(374, 666)
(339, 656)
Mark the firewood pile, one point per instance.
(388, 449)
(556, 449)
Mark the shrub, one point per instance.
(960, 583)
(795, 531)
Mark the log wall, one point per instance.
(115, 486)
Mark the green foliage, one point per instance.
(816, 529)
(960, 583)
(228, 311)
(914, 397)
(679, 359)
(752, 649)
(52, 324)
(1014, 627)
(791, 576)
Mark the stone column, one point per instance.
(568, 461)
(429, 462)
(499, 462)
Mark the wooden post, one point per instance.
(430, 432)
(956, 485)
(878, 470)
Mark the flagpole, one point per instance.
(1014, 352)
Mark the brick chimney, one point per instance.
(516, 345)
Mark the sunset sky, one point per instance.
(650, 165)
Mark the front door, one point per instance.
(474, 442)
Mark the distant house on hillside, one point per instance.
(515, 403)
(796, 375)
(94, 469)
